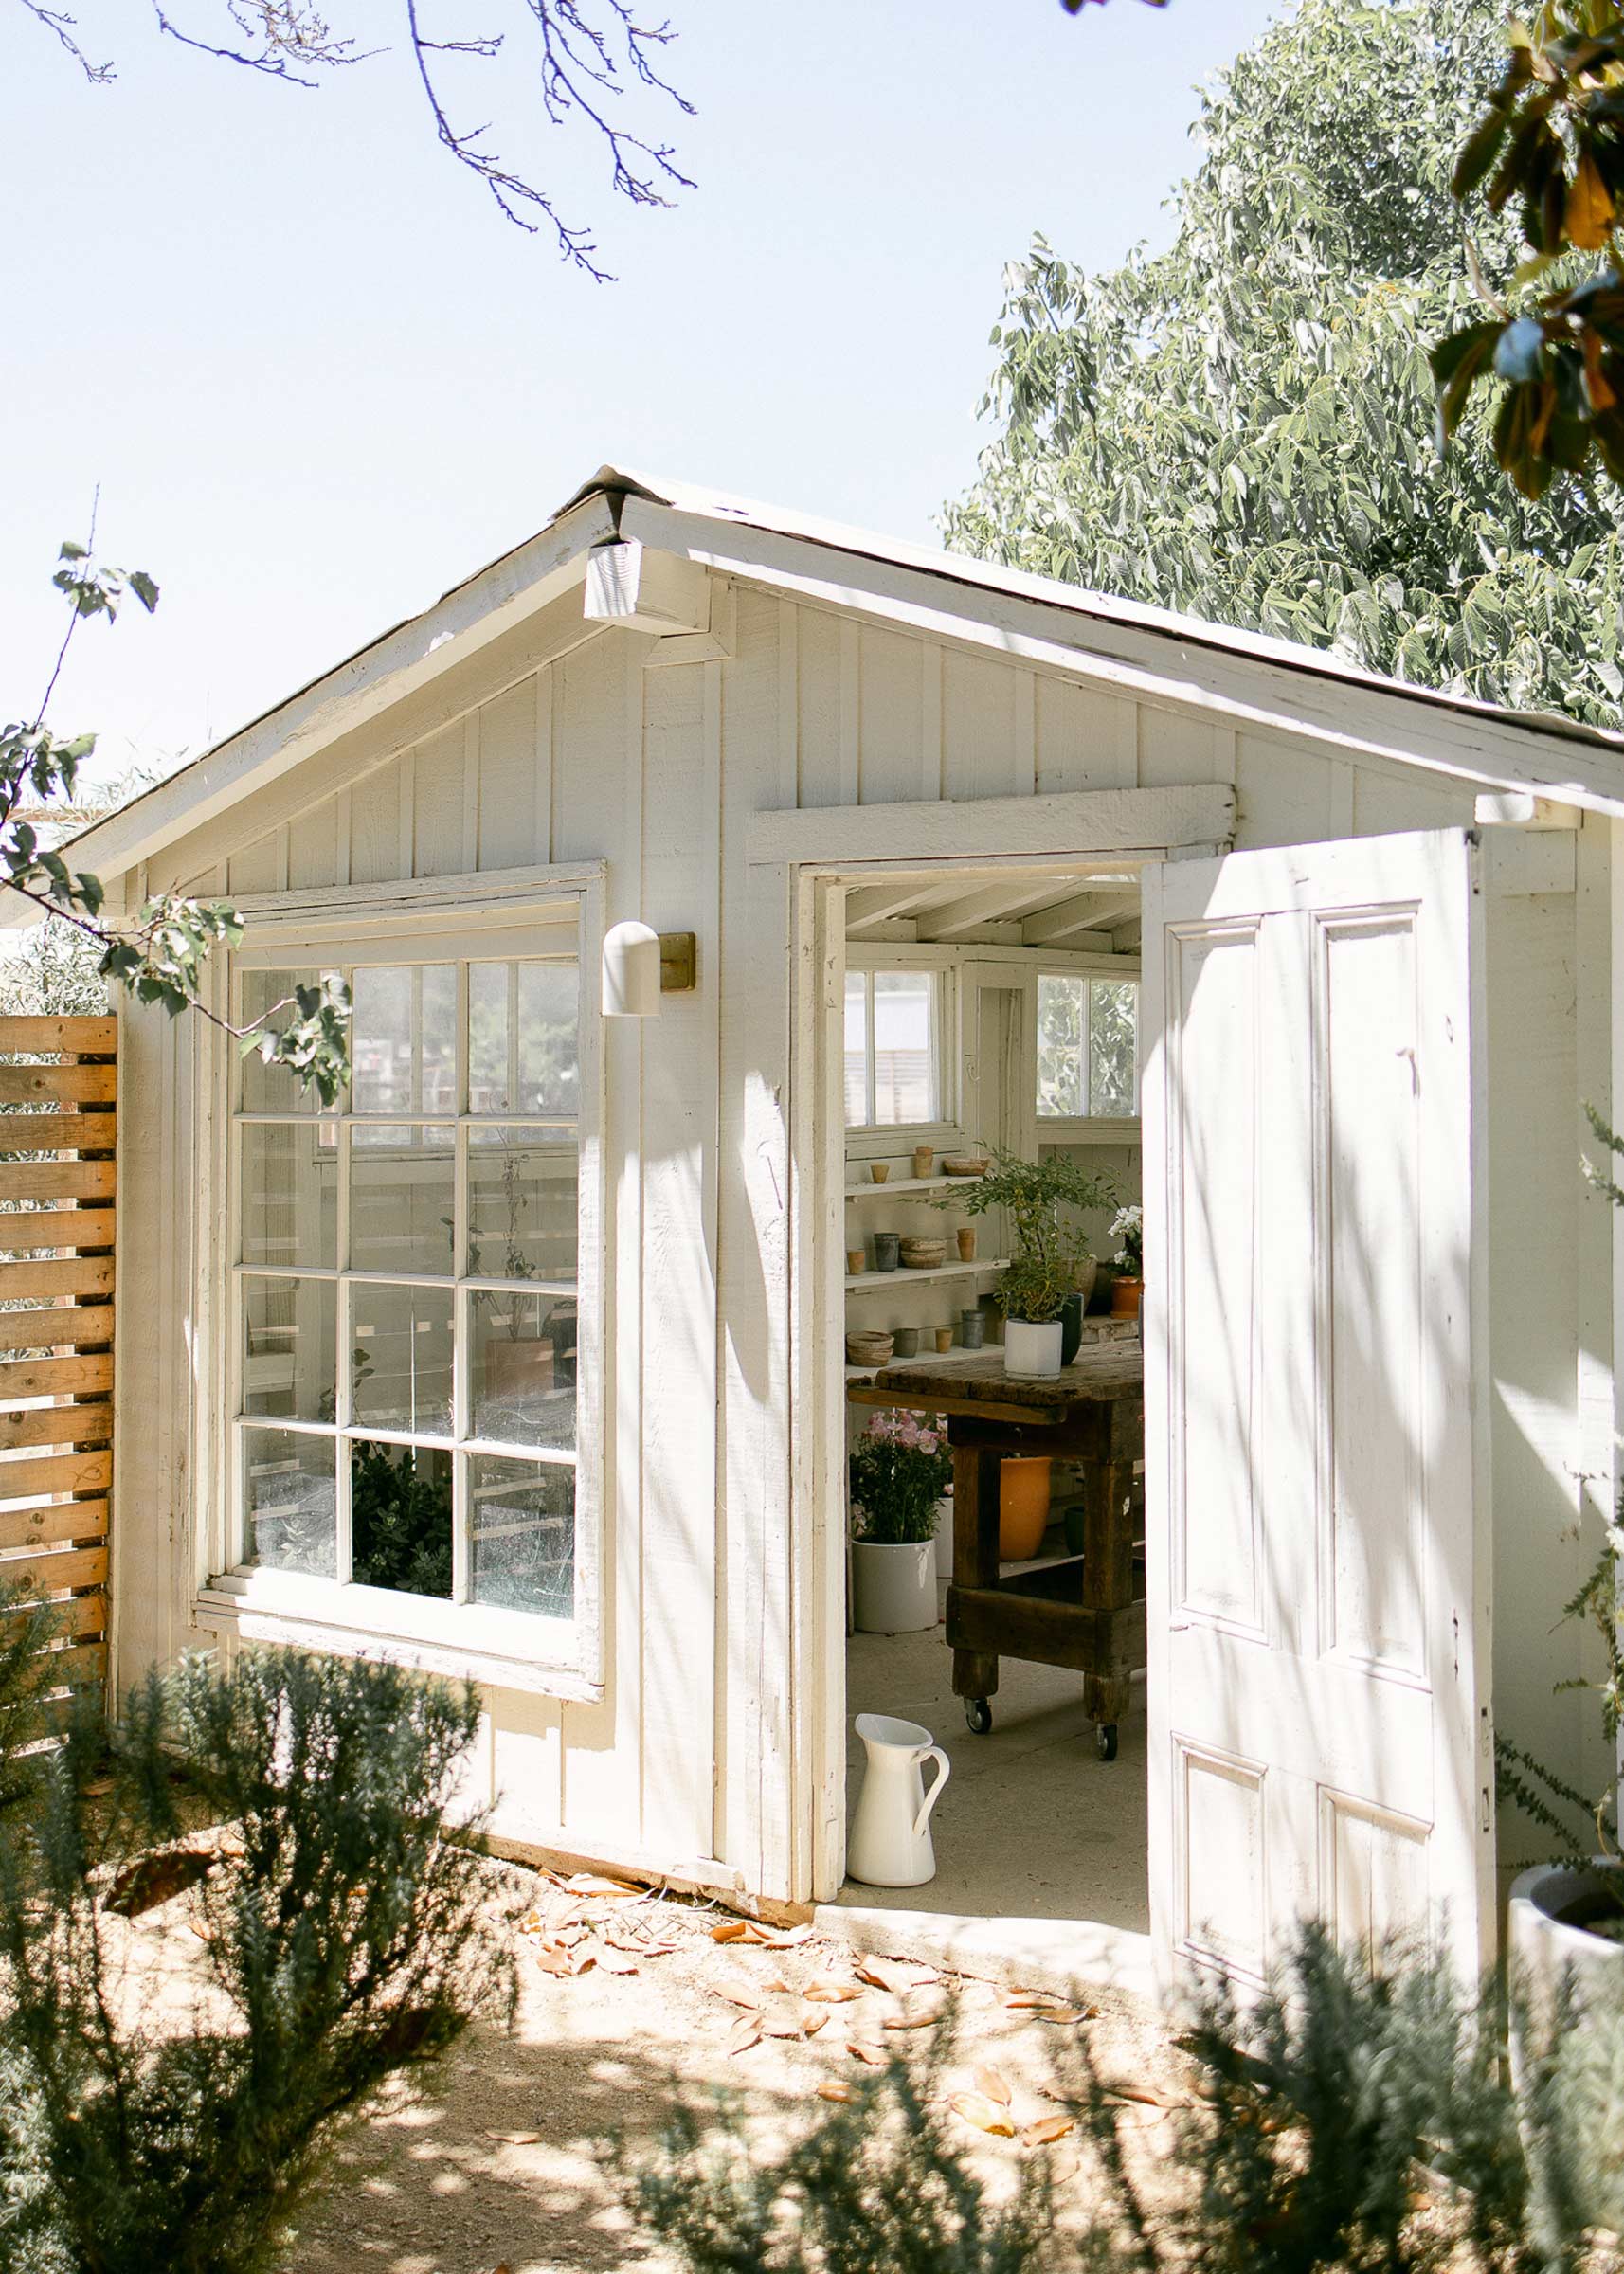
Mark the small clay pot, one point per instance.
(855, 1263)
(966, 1238)
(1124, 1298)
(923, 1160)
(905, 1342)
(943, 1338)
(919, 1255)
(887, 1250)
(879, 1170)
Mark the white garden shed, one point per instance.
(581, 1280)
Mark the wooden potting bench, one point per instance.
(1072, 1611)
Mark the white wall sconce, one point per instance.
(640, 965)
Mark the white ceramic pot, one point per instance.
(945, 1538)
(893, 1589)
(1553, 1957)
(1032, 1353)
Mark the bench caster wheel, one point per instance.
(978, 1712)
(1105, 1741)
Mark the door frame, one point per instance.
(816, 853)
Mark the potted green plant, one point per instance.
(899, 1470)
(1049, 1254)
(1127, 1226)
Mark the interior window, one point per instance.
(406, 1301)
(1088, 1048)
(892, 1072)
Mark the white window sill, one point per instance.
(1055, 1128)
(496, 1648)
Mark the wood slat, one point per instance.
(50, 1527)
(58, 1473)
(32, 1577)
(56, 1377)
(58, 1085)
(35, 1228)
(56, 1326)
(78, 1615)
(87, 1275)
(58, 1179)
(57, 1425)
(69, 1038)
(59, 1132)
(87, 1663)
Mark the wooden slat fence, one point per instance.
(58, 1221)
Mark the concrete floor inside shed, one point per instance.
(1040, 1846)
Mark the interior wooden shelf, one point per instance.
(894, 1185)
(867, 1282)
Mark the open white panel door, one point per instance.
(1315, 1467)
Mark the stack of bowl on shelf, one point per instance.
(899, 1252)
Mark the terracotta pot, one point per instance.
(1124, 1298)
(514, 1367)
(879, 1170)
(923, 1160)
(1023, 1486)
(966, 1240)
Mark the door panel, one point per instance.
(1316, 1470)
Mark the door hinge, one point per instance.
(1483, 1812)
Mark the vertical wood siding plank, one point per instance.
(471, 727)
(544, 832)
(788, 778)
(851, 711)
(405, 780)
(929, 719)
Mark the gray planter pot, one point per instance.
(893, 1589)
(1550, 1948)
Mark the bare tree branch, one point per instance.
(589, 54)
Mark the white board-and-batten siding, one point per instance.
(557, 744)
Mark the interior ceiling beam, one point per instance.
(1088, 912)
(882, 903)
(993, 904)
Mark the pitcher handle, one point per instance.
(946, 1767)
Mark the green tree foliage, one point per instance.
(160, 956)
(1549, 148)
(345, 1938)
(1236, 427)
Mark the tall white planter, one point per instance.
(893, 1588)
(1032, 1353)
(1561, 1970)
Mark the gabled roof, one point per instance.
(1150, 653)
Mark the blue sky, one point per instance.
(319, 379)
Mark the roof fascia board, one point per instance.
(1347, 713)
(465, 619)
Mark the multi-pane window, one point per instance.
(1088, 1048)
(407, 1322)
(893, 1071)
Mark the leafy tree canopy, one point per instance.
(1236, 427)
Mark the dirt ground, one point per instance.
(500, 2163)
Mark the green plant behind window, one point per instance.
(400, 1503)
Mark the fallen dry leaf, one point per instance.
(515, 2139)
(861, 2049)
(611, 1961)
(785, 1937)
(594, 1883)
(1046, 2131)
(918, 2014)
(1064, 2016)
(1020, 2001)
(730, 1930)
(986, 2114)
(742, 2034)
(635, 1938)
(153, 1879)
(826, 1989)
(1062, 2168)
(812, 2020)
(994, 2086)
(867, 1970)
(834, 2088)
(781, 2024)
(738, 1993)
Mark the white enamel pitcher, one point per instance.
(889, 1846)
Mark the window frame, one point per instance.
(865, 962)
(1083, 1128)
(456, 919)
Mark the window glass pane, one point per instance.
(1113, 1047)
(402, 1195)
(273, 1089)
(856, 1049)
(522, 1053)
(400, 1517)
(521, 1523)
(290, 1498)
(522, 1368)
(290, 1348)
(1062, 1038)
(904, 1046)
(399, 1357)
(404, 1039)
(522, 1204)
(290, 1193)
